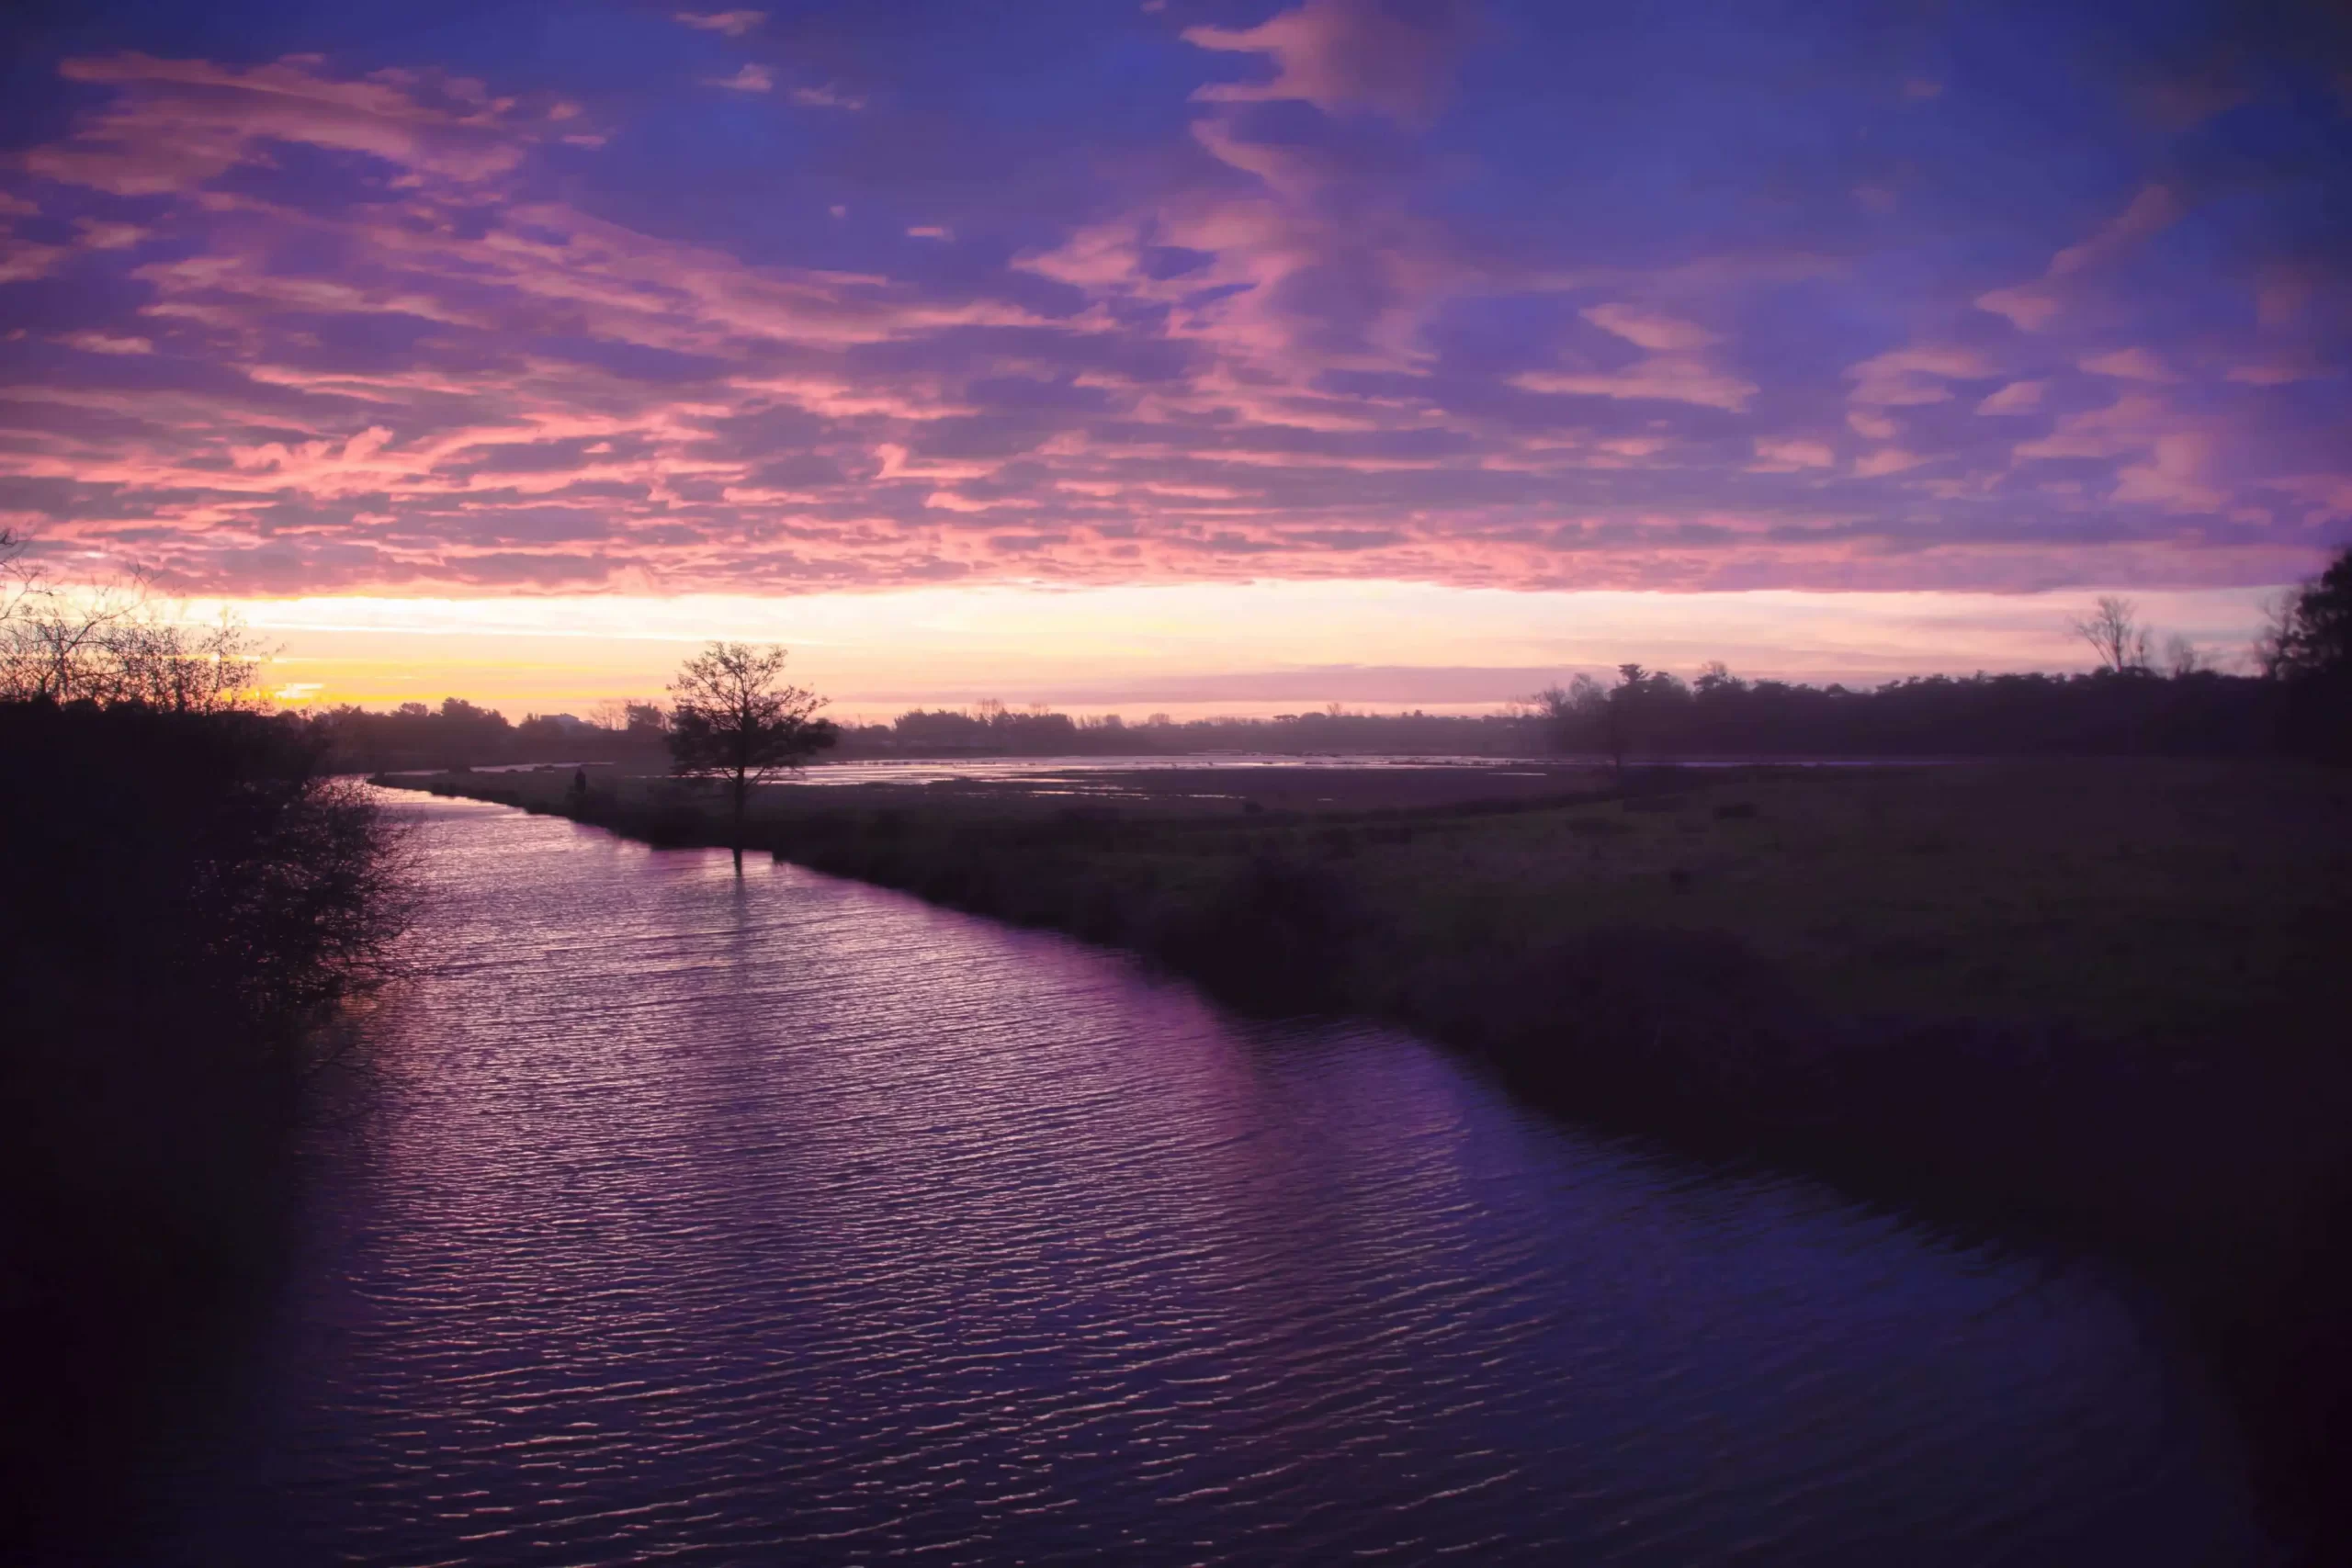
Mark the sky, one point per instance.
(1181, 353)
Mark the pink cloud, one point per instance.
(1344, 55)
(1665, 377)
(2280, 370)
(748, 78)
(2033, 307)
(2129, 365)
(2155, 208)
(733, 24)
(2175, 476)
(2029, 307)
(1906, 376)
(2131, 423)
(468, 381)
(2018, 397)
(100, 236)
(1885, 460)
(175, 123)
(826, 97)
(102, 343)
(1648, 329)
(1793, 456)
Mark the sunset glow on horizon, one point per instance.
(1187, 355)
(1187, 651)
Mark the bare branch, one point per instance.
(2116, 635)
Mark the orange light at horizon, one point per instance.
(1200, 648)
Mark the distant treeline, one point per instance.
(2300, 702)
(1641, 715)
(123, 647)
(457, 733)
(1652, 714)
(994, 729)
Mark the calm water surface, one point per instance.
(684, 1220)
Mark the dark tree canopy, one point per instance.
(2310, 654)
(2314, 636)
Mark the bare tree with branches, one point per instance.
(122, 644)
(2276, 634)
(2115, 634)
(733, 717)
(18, 582)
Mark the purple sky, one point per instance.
(444, 299)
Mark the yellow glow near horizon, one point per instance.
(1190, 649)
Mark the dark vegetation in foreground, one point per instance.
(182, 895)
(2095, 1003)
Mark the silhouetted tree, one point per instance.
(1555, 710)
(120, 644)
(733, 717)
(1716, 679)
(17, 582)
(2309, 650)
(1645, 707)
(2114, 633)
(2314, 635)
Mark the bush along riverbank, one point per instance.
(2096, 1004)
(182, 896)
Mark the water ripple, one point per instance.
(692, 1221)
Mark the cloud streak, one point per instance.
(1320, 306)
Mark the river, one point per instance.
(675, 1218)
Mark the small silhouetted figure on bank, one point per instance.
(732, 717)
(579, 797)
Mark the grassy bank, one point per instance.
(2098, 1003)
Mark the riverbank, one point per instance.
(182, 895)
(2095, 1003)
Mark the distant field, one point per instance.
(2194, 901)
(2185, 900)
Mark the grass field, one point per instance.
(2199, 904)
(2203, 905)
